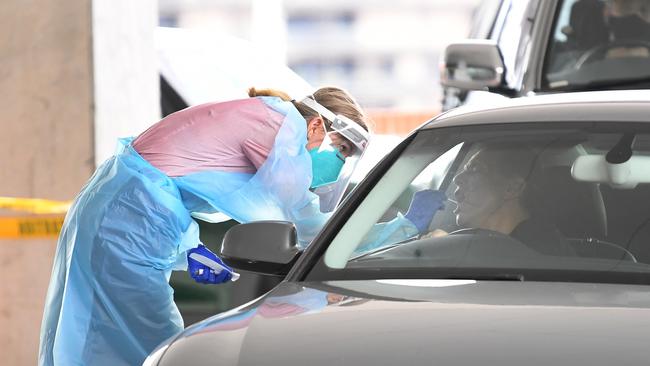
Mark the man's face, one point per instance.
(479, 192)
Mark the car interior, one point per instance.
(578, 210)
(598, 219)
(599, 41)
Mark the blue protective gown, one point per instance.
(109, 301)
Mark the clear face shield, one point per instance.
(338, 128)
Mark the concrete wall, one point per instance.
(126, 77)
(46, 87)
(46, 145)
(48, 130)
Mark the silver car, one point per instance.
(524, 47)
(527, 242)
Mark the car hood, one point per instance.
(426, 322)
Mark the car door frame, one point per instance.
(540, 38)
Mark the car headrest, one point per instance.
(587, 24)
(576, 208)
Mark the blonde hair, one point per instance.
(335, 99)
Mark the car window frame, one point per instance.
(312, 267)
(515, 56)
(541, 37)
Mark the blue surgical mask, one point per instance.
(325, 166)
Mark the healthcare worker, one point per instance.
(266, 157)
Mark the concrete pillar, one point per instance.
(46, 142)
(73, 72)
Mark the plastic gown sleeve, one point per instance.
(386, 233)
(423, 207)
(109, 301)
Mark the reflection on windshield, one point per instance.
(300, 301)
(495, 190)
(599, 42)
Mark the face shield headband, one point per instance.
(330, 194)
(342, 125)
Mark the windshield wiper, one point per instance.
(379, 250)
(601, 84)
(369, 256)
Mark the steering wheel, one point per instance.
(495, 243)
(484, 232)
(598, 52)
(495, 235)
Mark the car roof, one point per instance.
(597, 106)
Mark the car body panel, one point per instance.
(628, 105)
(524, 32)
(425, 322)
(518, 29)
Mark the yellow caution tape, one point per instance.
(34, 205)
(30, 227)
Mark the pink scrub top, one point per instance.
(233, 136)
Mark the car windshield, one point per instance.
(599, 44)
(534, 201)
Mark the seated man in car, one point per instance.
(496, 191)
(629, 19)
(629, 22)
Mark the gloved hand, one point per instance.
(198, 260)
(424, 205)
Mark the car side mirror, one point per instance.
(266, 247)
(473, 65)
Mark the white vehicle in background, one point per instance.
(205, 67)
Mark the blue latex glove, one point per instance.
(202, 273)
(424, 205)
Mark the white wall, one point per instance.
(126, 85)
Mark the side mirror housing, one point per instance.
(266, 247)
(473, 65)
